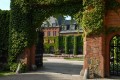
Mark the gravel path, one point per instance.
(53, 69)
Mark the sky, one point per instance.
(67, 17)
(5, 4)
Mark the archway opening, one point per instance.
(55, 43)
(115, 56)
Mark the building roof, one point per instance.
(66, 26)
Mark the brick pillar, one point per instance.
(26, 57)
(94, 55)
(32, 55)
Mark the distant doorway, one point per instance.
(115, 56)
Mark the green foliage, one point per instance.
(112, 5)
(66, 45)
(23, 68)
(21, 31)
(70, 41)
(75, 58)
(6, 73)
(4, 31)
(80, 43)
(92, 21)
(75, 45)
(112, 29)
(65, 42)
(55, 43)
(61, 41)
(13, 67)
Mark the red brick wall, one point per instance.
(94, 55)
(112, 18)
(96, 48)
(51, 29)
(28, 56)
(107, 55)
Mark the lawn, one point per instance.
(6, 73)
(75, 58)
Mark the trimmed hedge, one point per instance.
(22, 33)
(4, 35)
(65, 44)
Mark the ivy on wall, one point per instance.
(61, 42)
(112, 5)
(51, 41)
(21, 31)
(75, 45)
(92, 21)
(80, 44)
(112, 29)
(68, 43)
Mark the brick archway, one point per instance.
(107, 55)
(114, 54)
(96, 47)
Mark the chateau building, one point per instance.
(57, 31)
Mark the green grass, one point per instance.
(75, 59)
(6, 73)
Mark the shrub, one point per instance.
(23, 68)
(13, 67)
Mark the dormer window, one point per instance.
(53, 24)
(68, 27)
(46, 25)
(72, 27)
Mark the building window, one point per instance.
(72, 27)
(46, 25)
(53, 24)
(68, 27)
(48, 33)
(54, 33)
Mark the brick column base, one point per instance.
(28, 56)
(94, 55)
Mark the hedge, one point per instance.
(67, 43)
(4, 33)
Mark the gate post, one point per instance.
(94, 51)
